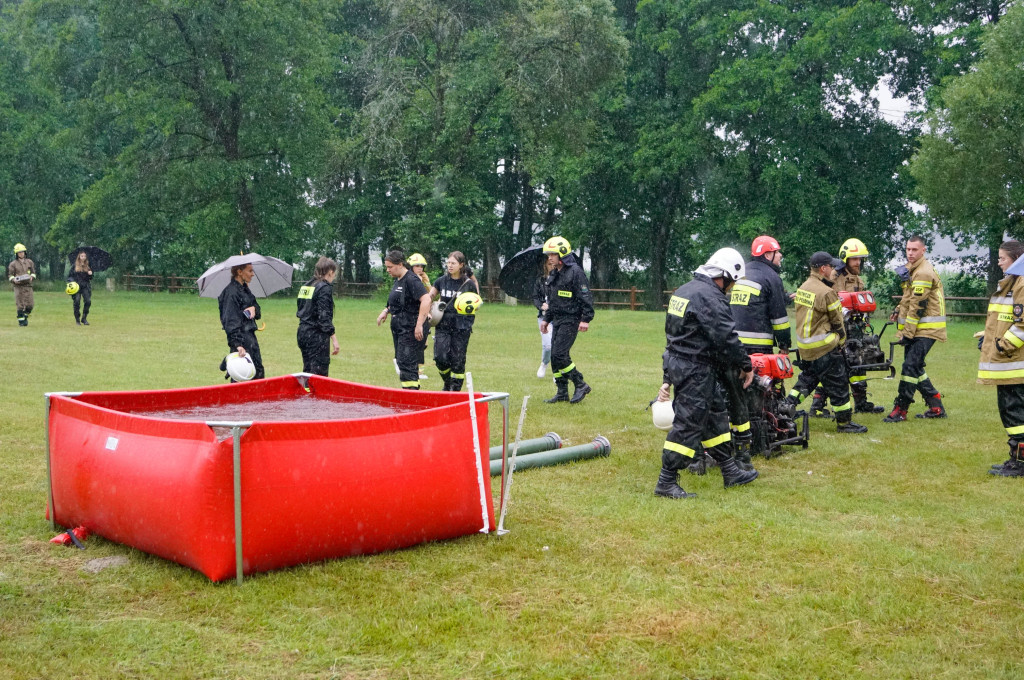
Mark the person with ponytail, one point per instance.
(451, 337)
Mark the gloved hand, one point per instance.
(1002, 349)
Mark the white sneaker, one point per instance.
(397, 370)
(542, 371)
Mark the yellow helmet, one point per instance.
(468, 303)
(416, 260)
(852, 247)
(557, 245)
(71, 288)
(19, 248)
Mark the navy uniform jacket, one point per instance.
(699, 327)
(759, 308)
(315, 307)
(569, 296)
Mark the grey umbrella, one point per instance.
(270, 275)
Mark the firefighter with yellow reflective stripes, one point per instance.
(852, 253)
(758, 300)
(1002, 359)
(315, 310)
(820, 334)
(701, 340)
(920, 320)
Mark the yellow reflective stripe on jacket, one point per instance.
(679, 448)
(819, 340)
(780, 324)
(834, 306)
(742, 427)
(677, 305)
(1016, 429)
(932, 322)
(1014, 336)
(752, 338)
(715, 441)
(920, 284)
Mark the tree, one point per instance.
(970, 165)
(226, 124)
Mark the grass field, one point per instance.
(886, 555)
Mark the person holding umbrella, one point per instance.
(316, 318)
(81, 275)
(570, 311)
(409, 306)
(239, 312)
(21, 273)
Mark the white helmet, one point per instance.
(725, 262)
(663, 414)
(240, 368)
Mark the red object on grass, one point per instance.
(311, 490)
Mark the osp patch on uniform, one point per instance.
(565, 293)
(805, 298)
(1018, 312)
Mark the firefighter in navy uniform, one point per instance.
(758, 304)
(239, 313)
(451, 337)
(1002, 357)
(820, 334)
(701, 341)
(921, 320)
(409, 306)
(570, 311)
(315, 310)
(852, 253)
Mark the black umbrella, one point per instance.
(99, 259)
(519, 273)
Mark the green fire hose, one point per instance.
(599, 447)
(546, 443)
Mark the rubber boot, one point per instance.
(581, 388)
(446, 376)
(668, 487)
(898, 415)
(456, 384)
(562, 391)
(742, 455)
(78, 319)
(1014, 467)
(861, 404)
(699, 465)
(935, 408)
(845, 424)
(732, 475)
(818, 409)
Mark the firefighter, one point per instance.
(418, 264)
(315, 309)
(21, 273)
(701, 339)
(921, 320)
(239, 312)
(820, 334)
(570, 311)
(451, 339)
(409, 307)
(758, 304)
(1002, 361)
(758, 300)
(852, 253)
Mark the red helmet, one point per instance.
(763, 245)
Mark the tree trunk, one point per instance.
(527, 210)
(362, 258)
(655, 298)
(346, 267)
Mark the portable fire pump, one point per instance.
(863, 348)
(773, 421)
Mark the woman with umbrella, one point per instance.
(238, 314)
(81, 276)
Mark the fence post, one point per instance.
(632, 299)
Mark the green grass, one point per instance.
(887, 555)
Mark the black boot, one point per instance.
(455, 385)
(562, 393)
(1014, 467)
(668, 486)
(861, 404)
(733, 475)
(818, 409)
(581, 388)
(935, 408)
(699, 465)
(845, 424)
(743, 453)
